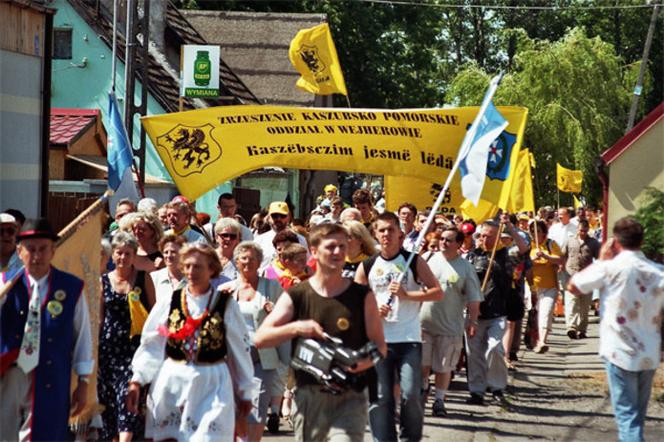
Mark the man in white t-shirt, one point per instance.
(399, 306)
(565, 229)
(632, 303)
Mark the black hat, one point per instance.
(37, 228)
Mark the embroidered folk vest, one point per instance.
(210, 345)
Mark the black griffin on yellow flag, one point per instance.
(313, 54)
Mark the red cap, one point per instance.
(180, 199)
(467, 228)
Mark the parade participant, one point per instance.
(10, 264)
(468, 230)
(443, 322)
(331, 192)
(44, 335)
(294, 258)
(162, 214)
(278, 217)
(281, 240)
(178, 215)
(326, 303)
(256, 297)
(147, 205)
(127, 296)
(350, 214)
(523, 222)
(431, 245)
(399, 306)
(336, 207)
(546, 260)
(169, 278)
(188, 343)
(363, 202)
(360, 247)
(407, 213)
(124, 207)
(632, 297)
(486, 354)
(148, 231)
(564, 229)
(579, 253)
(227, 207)
(227, 233)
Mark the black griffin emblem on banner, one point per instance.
(435, 191)
(190, 149)
(310, 57)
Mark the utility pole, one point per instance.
(642, 70)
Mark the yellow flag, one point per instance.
(205, 147)
(313, 54)
(577, 203)
(503, 154)
(569, 180)
(522, 197)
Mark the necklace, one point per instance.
(190, 324)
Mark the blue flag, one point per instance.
(119, 159)
(474, 154)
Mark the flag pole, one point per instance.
(115, 44)
(492, 258)
(465, 145)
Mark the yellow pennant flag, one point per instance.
(522, 198)
(569, 180)
(503, 155)
(313, 54)
(577, 203)
(205, 147)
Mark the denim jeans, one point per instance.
(630, 392)
(404, 358)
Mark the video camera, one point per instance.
(328, 360)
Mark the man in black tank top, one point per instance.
(326, 303)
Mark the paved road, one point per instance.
(559, 396)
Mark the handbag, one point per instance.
(531, 336)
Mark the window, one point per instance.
(62, 43)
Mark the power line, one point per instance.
(524, 7)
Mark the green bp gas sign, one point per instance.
(199, 73)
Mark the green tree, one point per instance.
(576, 98)
(651, 216)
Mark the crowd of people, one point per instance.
(200, 319)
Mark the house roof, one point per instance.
(163, 81)
(255, 45)
(67, 125)
(623, 144)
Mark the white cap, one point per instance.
(6, 218)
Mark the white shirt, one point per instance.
(150, 356)
(632, 298)
(560, 233)
(82, 362)
(406, 326)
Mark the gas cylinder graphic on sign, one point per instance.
(202, 68)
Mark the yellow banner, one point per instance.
(503, 154)
(80, 254)
(569, 180)
(205, 147)
(313, 54)
(522, 197)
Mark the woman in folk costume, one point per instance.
(44, 335)
(194, 351)
(127, 297)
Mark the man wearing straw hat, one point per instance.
(44, 335)
(486, 354)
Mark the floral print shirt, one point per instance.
(632, 298)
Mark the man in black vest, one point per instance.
(328, 304)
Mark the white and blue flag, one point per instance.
(474, 154)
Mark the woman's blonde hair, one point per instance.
(357, 230)
(129, 220)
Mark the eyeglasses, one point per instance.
(278, 216)
(227, 235)
(10, 231)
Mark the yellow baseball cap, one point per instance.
(330, 188)
(279, 207)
